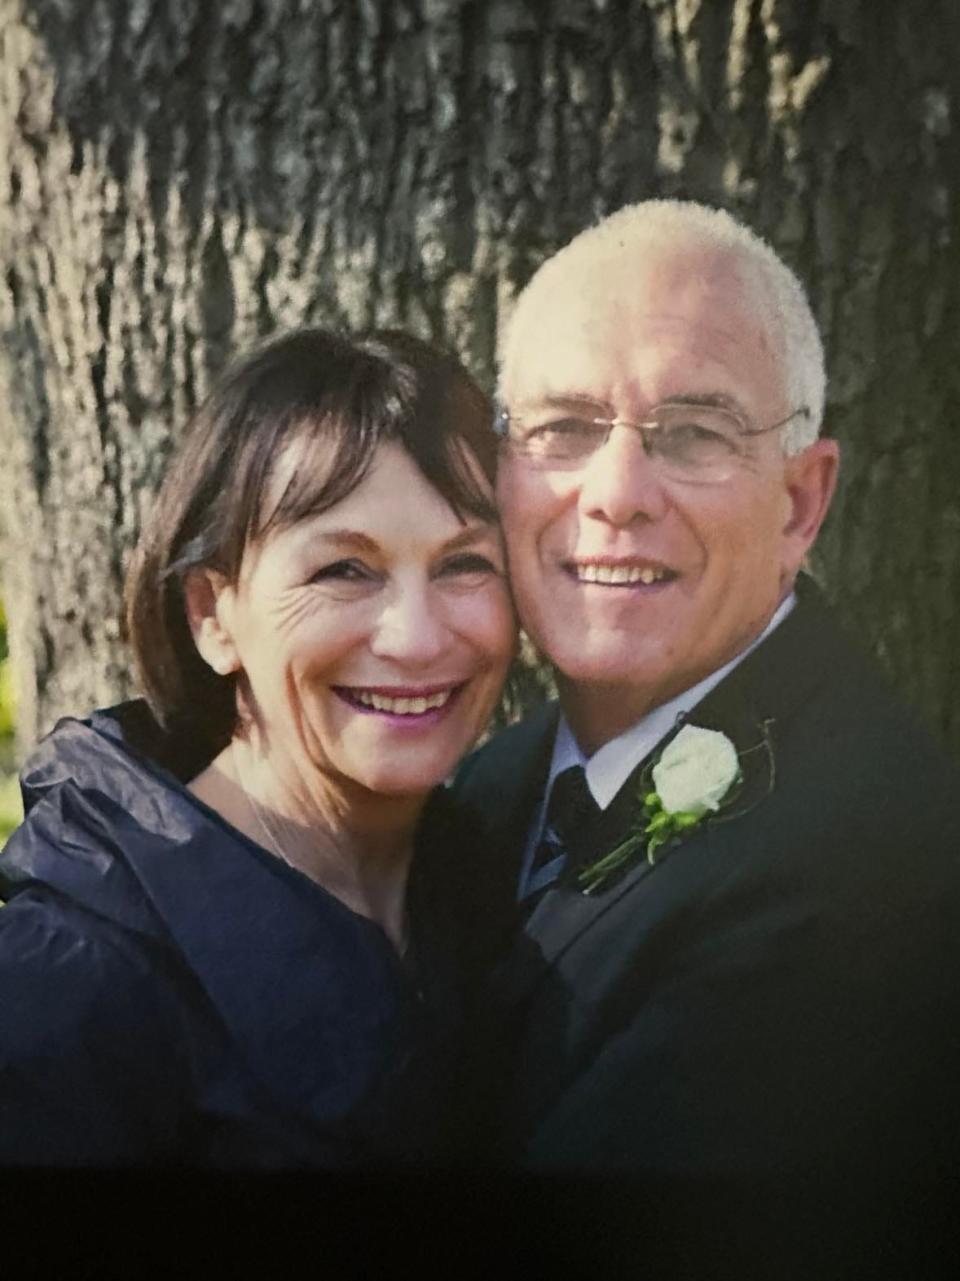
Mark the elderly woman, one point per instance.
(229, 941)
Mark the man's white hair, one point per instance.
(780, 298)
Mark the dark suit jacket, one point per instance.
(777, 997)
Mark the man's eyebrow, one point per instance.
(567, 399)
(706, 400)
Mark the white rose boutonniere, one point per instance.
(696, 774)
(695, 771)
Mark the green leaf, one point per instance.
(683, 819)
(659, 822)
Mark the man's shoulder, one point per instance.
(852, 760)
(815, 663)
(854, 688)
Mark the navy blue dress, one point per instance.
(173, 995)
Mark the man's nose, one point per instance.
(620, 482)
(410, 628)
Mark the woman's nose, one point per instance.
(410, 628)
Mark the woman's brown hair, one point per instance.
(306, 388)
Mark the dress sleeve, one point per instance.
(92, 1072)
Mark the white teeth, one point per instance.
(619, 574)
(401, 706)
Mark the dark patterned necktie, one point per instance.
(570, 813)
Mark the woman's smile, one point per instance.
(407, 703)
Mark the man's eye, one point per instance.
(682, 437)
(564, 438)
(564, 429)
(344, 571)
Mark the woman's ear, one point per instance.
(209, 600)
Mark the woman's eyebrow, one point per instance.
(352, 537)
(471, 534)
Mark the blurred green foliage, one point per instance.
(10, 811)
(6, 700)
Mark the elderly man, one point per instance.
(732, 854)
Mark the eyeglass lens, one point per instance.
(684, 440)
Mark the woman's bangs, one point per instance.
(458, 474)
(329, 462)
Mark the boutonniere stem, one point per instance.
(696, 775)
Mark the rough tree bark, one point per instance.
(182, 177)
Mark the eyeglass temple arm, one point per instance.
(762, 431)
(652, 424)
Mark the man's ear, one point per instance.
(209, 600)
(810, 480)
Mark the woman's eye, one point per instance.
(343, 571)
(469, 563)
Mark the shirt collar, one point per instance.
(609, 767)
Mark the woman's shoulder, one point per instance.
(89, 803)
(56, 949)
(89, 1038)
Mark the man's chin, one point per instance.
(603, 661)
(608, 681)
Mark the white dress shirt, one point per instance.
(611, 765)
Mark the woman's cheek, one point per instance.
(496, 623)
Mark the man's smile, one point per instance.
(619, 572)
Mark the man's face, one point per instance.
(616, 340)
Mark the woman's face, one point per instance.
(374, 638)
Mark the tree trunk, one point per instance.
(183, 177)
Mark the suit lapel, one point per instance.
(753, 707)
(500, 788)
(494, 795)
(522, 790)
